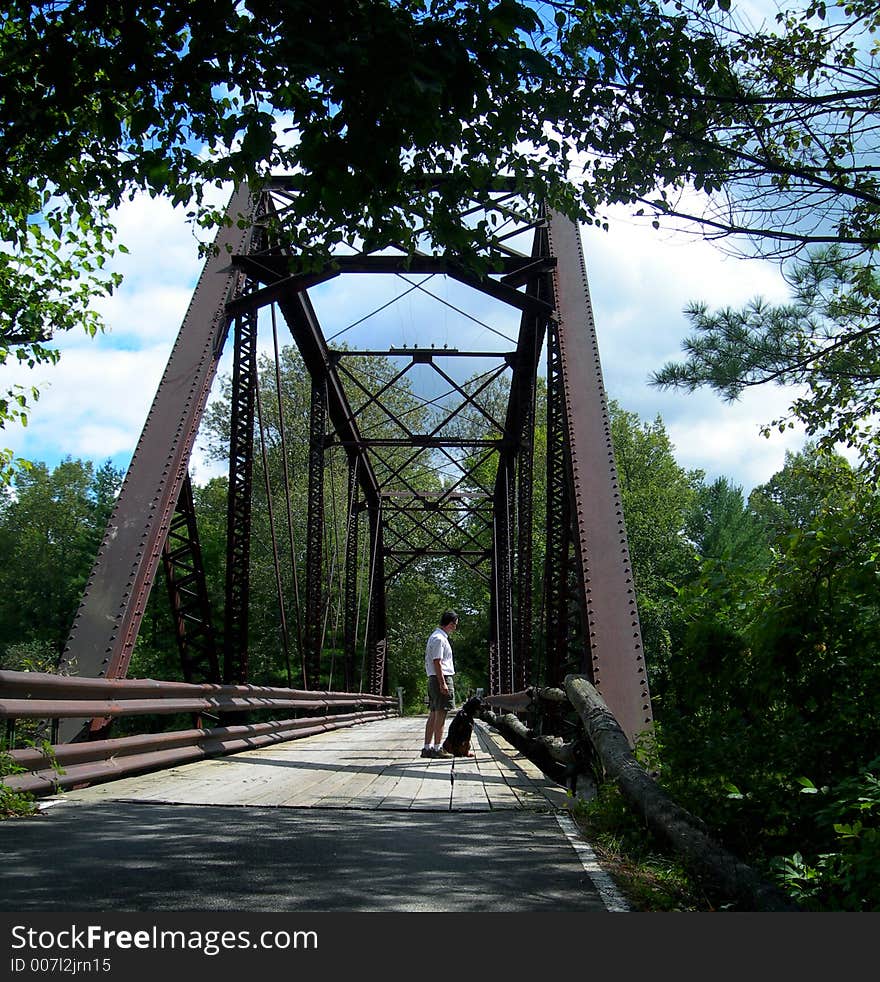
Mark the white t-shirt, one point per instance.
(438, 646)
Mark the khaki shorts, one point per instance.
(436, 699)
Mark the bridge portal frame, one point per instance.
(587, 560)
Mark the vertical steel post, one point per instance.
(188, 593)
(606, 590)
(351, 574)
(501, 552)
(238, 519)
(524, 487)
(558, 519)
(315, 534)
(377, 636)
(494, 663)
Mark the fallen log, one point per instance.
(719, 872)
(538, 749)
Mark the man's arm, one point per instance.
(441, 681)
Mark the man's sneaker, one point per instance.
(427, 752)
(440, 752)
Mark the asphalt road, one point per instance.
(121, 856)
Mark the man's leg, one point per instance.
(439, 722)
(429, 728)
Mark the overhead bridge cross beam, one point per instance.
(451, 476)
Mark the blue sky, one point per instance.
(94, 402)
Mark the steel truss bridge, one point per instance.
(480, 509)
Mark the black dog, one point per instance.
(458, 739)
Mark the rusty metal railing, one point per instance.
(34, 695)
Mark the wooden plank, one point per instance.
(523, 777)
(405, 789)
(468, 786)
(373, 765)
(499, 793)
(435, 791)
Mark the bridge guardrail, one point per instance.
(36, 695)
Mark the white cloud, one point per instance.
(93, 404)
(640, 282)
(95, 401)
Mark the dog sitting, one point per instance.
(458, 739)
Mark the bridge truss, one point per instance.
(476, 436)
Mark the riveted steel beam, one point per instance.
(606, 587)
(188, 592)
(315, 535)
(238, 521)
(107, 622)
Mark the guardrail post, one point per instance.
(400, 699)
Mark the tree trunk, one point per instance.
(556, 759)
(720, 873)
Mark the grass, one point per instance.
(649, 879)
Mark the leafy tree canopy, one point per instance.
(676, 109)
(825, 340)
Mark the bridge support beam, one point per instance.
(238, 524)
(315, 535)
(351, 575)
(605, 584)
(188, 593)
(377, 631)
(109, 617)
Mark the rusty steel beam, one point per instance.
(107, 622)
(377, 633)
(519, 426)
(47, 686)
(271, 269)
(238, 520)
(421, 355)
(558, 523)
(315, 534)
(606, 586)
(306, 331)
(197, 745)
(502, 559)
(101, 708)
(188, 592)
(351, 575)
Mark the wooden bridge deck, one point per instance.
(370, 766)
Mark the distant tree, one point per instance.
(776, 676)
(51, 523)
(658, 496)
(722, 527)
(811, 482)
(826, 340)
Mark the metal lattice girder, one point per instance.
(587, 558)
(521, 422)
(315, 535)
(276, 272)
(502, 558)
(108, 620)
(351, 570)
(606, 580)
(188, 592)
(238, 521)
(377, 632)
(558, 522)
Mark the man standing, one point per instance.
(441, 695)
